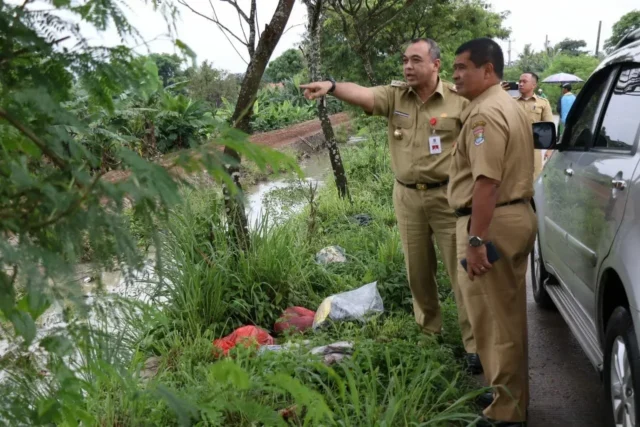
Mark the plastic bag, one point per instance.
(331, 254)
(296, 318)
(246, 335)
(351, 305)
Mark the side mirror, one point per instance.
(544, 135)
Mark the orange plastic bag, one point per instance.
(245, 335)
(297, 318)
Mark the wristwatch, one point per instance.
(333, 85)
(475, 241)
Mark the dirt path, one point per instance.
(284, 137)
(276, 139)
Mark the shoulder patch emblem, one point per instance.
(478, 133)
(398, 83)
(479, 123)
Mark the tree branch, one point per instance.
(214, 20)
(239, 9)
(55, 158)
(252, 29)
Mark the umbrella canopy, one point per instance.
(562, 78)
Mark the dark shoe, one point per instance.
(474, 367)
(486, 422)
(484, 400)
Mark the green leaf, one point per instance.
(228, 372)
(24, 325)
(58, 345)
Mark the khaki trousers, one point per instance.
(497, 307)
(423, 215)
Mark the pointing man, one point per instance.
(424, 120)
(491, 187)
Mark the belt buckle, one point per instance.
(421, 186)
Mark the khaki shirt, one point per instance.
(491, 144)
(537, 109)
(411, 158)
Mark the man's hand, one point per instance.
(505, 85)
(477, 261)
(316, 90)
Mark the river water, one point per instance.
(139, 286)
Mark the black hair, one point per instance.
(532, 74)
(566, 86)
(434, 49)
(484, 51)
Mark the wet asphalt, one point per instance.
(565, 388)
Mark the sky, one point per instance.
(530, 22)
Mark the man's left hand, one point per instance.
(477, 261)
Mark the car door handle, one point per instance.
(619, 184)
(568, 171)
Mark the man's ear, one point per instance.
(488, 70)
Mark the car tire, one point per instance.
(538, 276)
(621, 370)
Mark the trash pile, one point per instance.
(355, 305)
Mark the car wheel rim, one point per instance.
(622, 392)
(536, 265)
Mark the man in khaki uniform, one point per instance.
(538, 110)
(491, 184)
(424, 120)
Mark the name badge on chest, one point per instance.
(435, 145)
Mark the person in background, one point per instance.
(491, 188)
(566, 102)
(537, 109)
(423, 114)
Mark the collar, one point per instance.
(534, 96)
(439, 90)
(495, 89)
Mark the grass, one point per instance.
(396, 376)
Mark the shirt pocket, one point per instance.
(401, 120)
(446, 124)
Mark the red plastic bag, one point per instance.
(296, 318)
(246, 335)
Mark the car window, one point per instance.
(621, 120)
(582, 117)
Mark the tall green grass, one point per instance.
(396, 376)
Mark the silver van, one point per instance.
(587, 258)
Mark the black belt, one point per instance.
(424, 186)
(467, 211)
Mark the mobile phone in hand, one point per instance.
(492, 255)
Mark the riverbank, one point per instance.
(163, 371)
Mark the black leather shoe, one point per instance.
(486, 422)
(474, 367)
(484, 400)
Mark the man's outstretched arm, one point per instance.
(351, 93)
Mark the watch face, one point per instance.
(475, 241)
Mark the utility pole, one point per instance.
(546, 42)
(598, 41)
(509, 54)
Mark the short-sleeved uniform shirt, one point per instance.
(411, 158)
(538, 109)
(491, 143)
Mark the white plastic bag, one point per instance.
(351, 305)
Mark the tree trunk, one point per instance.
(368, 67)
(314, 12)
(241, 118)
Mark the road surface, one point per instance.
(565, 388)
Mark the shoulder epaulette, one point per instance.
(398, 83)
(452, 88)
